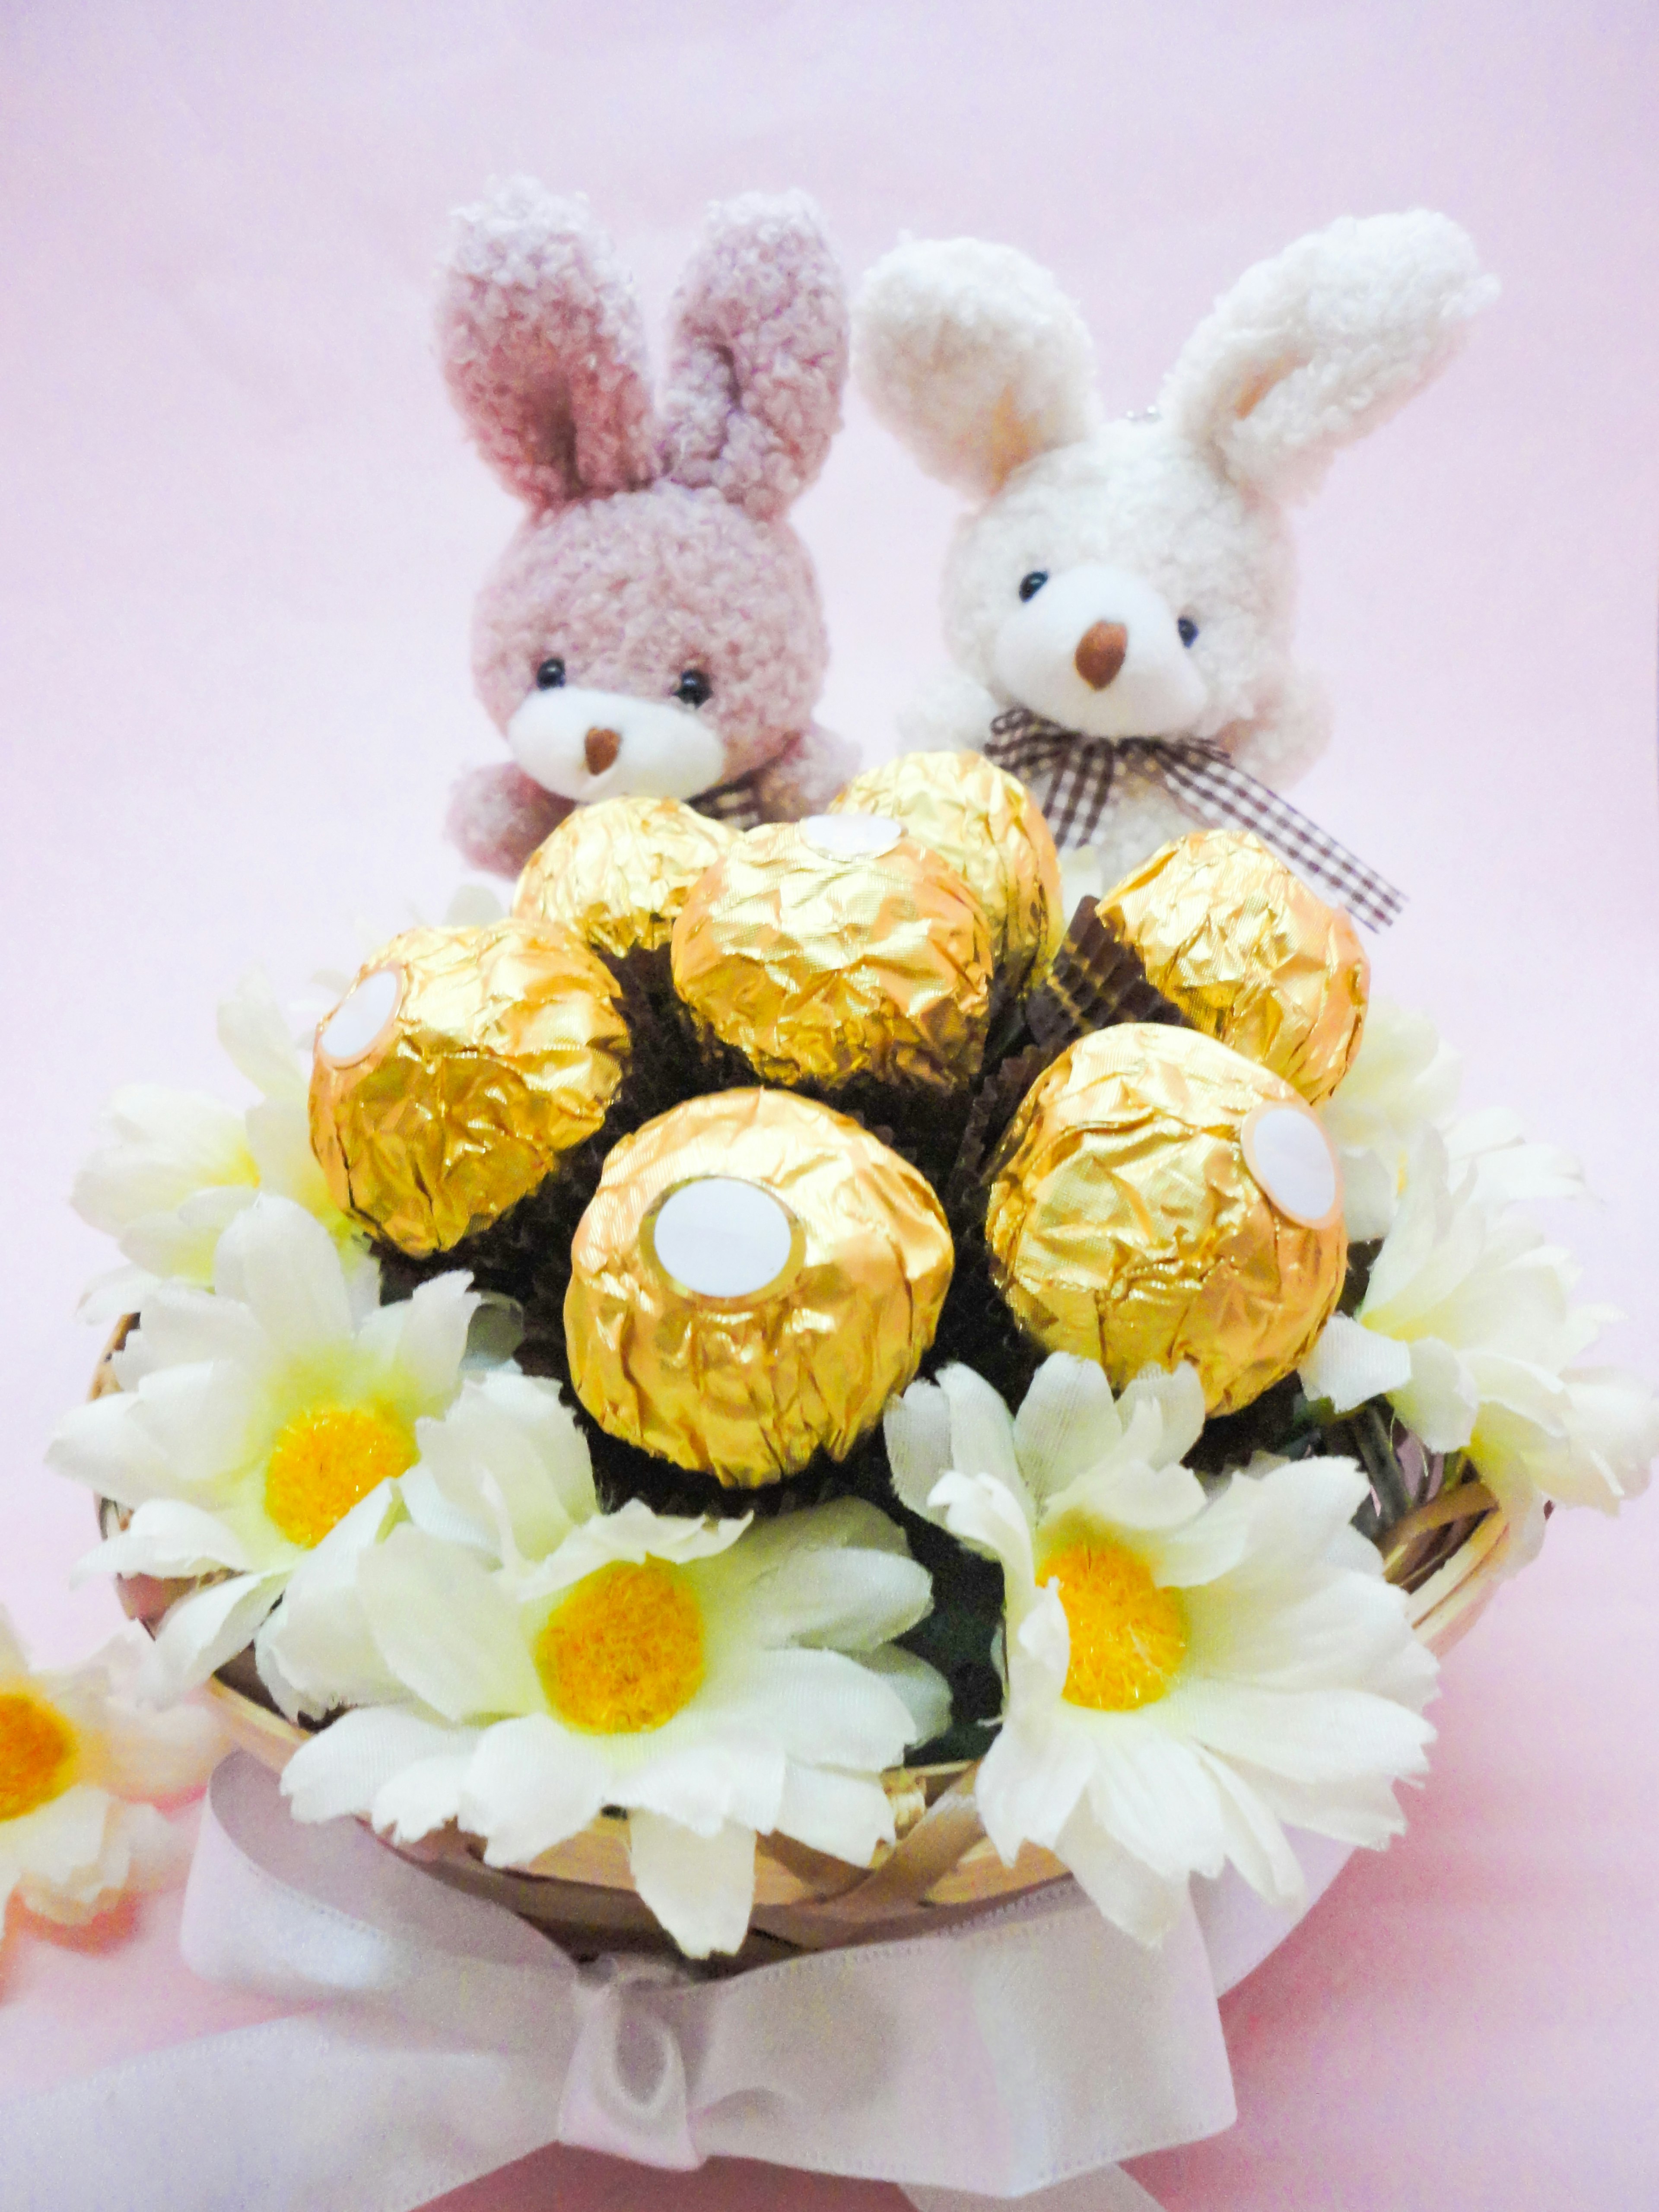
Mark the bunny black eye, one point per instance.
(1031, 584)
(693, 688)
(1186, 629)
(550, 676)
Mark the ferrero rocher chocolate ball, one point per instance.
(617, 873)
(1158, 1198)
(838, 947)
(459, 1068)
(1248, 954)
(986, 823)
(754, 1279)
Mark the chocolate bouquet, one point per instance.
(780, 1391)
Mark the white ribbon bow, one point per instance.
(1012, 2054)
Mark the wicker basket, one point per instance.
(1447, 1556)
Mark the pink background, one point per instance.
(239, 536)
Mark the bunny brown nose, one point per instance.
(600, 747)
(1100, 654)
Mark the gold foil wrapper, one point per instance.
(497, 1049)
(1248, 954)
(617, 873)
(986, 823)
(820, 967)
(749, 1383)
(1129, 1221)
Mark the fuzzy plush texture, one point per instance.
(653, 543)
(971, 355)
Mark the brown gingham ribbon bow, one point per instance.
(736, 804)
(1071, 776)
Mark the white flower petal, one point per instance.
(344, 1769)
(982, 1430)
(1256, 1844)
(1441, 1401)
(282, 1263)
(165, 1537)
(1151, 1793)
(447, 1629)
(850, 1600)
(419, 1342)
(1032, 1779)
(515, 1433)
(706, 1780)
(926, 1693)
(980, 1510)
(917, 1429)
(814, 1705)
(424, 1795)
(316, 1650)
(203, 1630)
(1122, 1887)
(1351, 1363)
(255, 1036)
(1316, 1736)
(530, 1785)
(701, 1888)
(1067, 1423)
(106, 1446)
(849, 1815)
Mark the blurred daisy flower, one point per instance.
(173, 1169)
(1468, 1329)
(260, 1427)
(1184, 1673)
(79, 1760)
(718, 1679)
(1404, 1084)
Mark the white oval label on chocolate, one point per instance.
(851, 836)
(1290, 1157)
(361, 1017)
(722, 1238)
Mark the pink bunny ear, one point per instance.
(759, 355)
(542, 349)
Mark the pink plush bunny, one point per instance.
(654, 626)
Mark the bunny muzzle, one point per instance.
(586, 745)
(1098, 650)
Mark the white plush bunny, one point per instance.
(1134, 579)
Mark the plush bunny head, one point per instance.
(654, 627)
(1134, 578)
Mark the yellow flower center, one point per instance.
(37, 1753)
(623, 1651)
(325, 1461)
(1128, 1635)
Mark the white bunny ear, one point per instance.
(1315, 348)
(974, 357)
(543, 348)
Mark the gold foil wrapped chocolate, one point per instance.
(753, 1279)
(1248, 954)
(459, 1068)
(837, 947)
(989, 827)
(617, 873)
(1158, 1198)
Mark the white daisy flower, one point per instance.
(260, 1427)
(175, 1167)
(78, 1760)
(1468, 1329)
(1184, 1674)
(719, 1679)
(1404, 1082)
